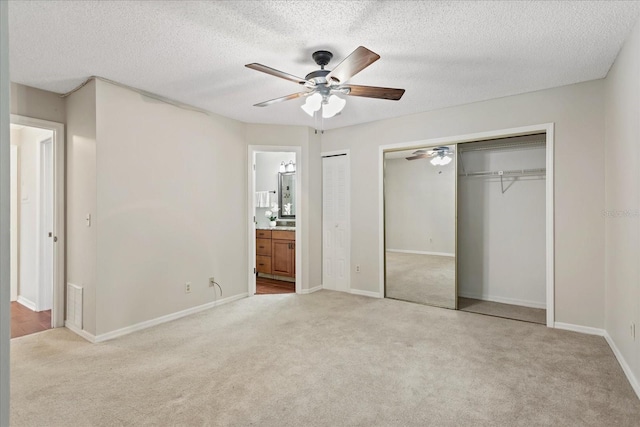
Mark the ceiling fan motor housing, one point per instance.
(322, 57)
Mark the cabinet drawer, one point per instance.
(263, 264)
(263, 234)
(263, 247)
(283, 235)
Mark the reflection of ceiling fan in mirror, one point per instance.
(440, 156)
(324, 86)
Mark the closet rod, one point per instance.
(513, 172)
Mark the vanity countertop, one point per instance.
(278, 227)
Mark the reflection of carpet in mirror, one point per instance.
(508, 311)
(426, 279)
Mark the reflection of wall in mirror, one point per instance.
(288, 193)
(419, 206)
(267, 166)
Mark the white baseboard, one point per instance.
(153, 322)
(365, 293)
(579, 328)
(84, 334)
(27, 303)
(623, 363)
(513, 301)
(406, 251)
(311, 290)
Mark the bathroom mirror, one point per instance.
(287, 194)
(420, 225)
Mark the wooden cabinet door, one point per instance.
(282, 261)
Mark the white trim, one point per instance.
(311, 290)
(58, 151)
(27, 303)
(251, 210)
(503, 300)
(153, 322)
(579, 328)
(84, 334)
(623, 363)
(550, 224)
(548, 128)
(365, 293)
(407, 251)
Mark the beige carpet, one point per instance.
(325, 359)
(425, 279)
(508, 311)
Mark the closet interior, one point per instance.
(465, 226)
(501, 228)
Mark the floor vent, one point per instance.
(74, 305)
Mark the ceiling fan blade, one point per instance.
(278, 73)
(419, 156)
(375, 92)
(281, 99)
(357, 61)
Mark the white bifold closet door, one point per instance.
(335, 223)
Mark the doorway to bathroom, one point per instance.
(274, 218)
(37, 221)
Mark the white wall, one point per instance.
(267, 167)
(36, 103)
(171, 193)
(501, 237)
(622, 207)
(578, 113)
(310, 168)
(81, 253)
(420, 206)
(5, 309)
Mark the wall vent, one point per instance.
(74, 305)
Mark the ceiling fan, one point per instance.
(322, 86)
(439, 155)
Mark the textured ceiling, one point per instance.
(443, 53)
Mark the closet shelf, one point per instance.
(463, 148)
(513, 172)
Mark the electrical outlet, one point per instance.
(357, 268)
(212, 282)
(187, 288)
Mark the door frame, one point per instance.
(57, 151)
(548, 129)
(252, 150)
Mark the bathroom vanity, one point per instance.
(276, 251)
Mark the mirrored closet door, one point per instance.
(420, 225)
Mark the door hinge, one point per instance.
(254, 167)
(254, 270)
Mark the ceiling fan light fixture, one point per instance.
(445, 160)
(333, 106)
(312, 104)
(435, 161)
